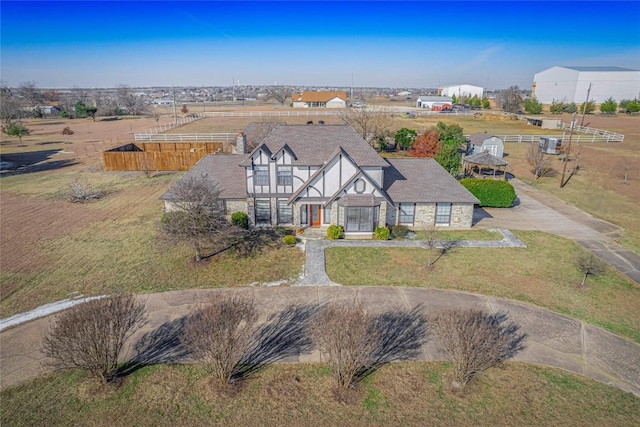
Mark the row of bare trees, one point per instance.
(225, 334)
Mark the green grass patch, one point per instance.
(403, 393)
(544, 274)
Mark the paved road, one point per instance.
(554, 340)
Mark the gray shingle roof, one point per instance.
(423, 181)
(485, 159)
(479, 138)
(313, 144)
(223, 169)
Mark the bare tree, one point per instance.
(540, 162)
(10, 109)
(256, 132)
(373, 123)
(588, 264)
(220, 333)
(432, 241)
(476, 341)
(625, 165)
(347, 337)
(81, 190)
(91, 336)
(30, 94)
(279, 94)
(510, 100)
(128, 99)
(199, 212)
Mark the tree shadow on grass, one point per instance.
(284, 335)
(401, 336)
(33, 161)
(162, 345)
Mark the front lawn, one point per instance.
(544, 274)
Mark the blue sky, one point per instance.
(384, 44)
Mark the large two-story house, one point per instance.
(317, 175)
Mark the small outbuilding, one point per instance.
(481, 142)
(550, 145)
(485, 165)
(434, 103)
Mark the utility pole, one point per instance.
(175, 113)
(233, 88)
(584, 110)
(567, 151)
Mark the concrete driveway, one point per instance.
(536, 210)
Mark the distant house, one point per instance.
(314, 176)
(434, 103)
(328, 99)
(482, 142)
(461, 90)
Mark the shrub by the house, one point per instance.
(382, 233)
(334, 232)
(491, 193)
(289, 240)
(240, 219)
(400, 231)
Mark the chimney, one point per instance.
(241, 143)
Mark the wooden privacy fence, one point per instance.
(165, 156)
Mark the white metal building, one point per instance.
(570, 84)
(461, 90)
(434, 103)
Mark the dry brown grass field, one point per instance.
(407, 394)
(51, 249)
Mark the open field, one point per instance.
(52, 249)
(544, 274)
(408, 394)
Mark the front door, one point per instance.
(315, 214)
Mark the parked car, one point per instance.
(410, 115)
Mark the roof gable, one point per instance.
(311, 143)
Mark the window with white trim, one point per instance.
(443, 213)
(285, 175)
(263, 212)
(285, 212)
(261, 175)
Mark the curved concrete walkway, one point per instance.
(554, 340)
